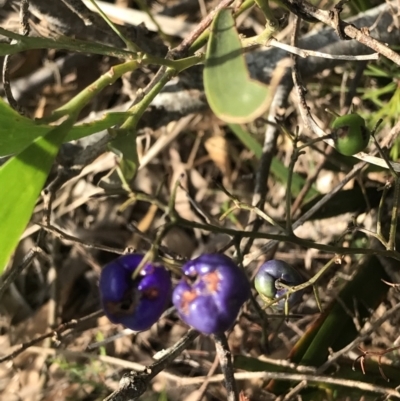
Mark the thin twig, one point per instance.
(11, 274)
(189, 381)
(361, 35)
(56, 334)
(307, 53)
(201, 27)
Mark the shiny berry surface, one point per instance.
(211, 293)
(269, 278)
(138, 303)
(350, 134)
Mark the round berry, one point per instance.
(138, 303)
(269, 279)
(350, 134)
(211, 293)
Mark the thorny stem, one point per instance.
(225, 360)
(137, 110)
(83, 97)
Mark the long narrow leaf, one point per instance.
(21, 180)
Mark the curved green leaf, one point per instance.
(232, 95)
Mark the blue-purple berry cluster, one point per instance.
(208, 297)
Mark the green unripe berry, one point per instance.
(350, 134)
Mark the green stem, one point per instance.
(177, 65)
(261, 39)
(138, 109)
(86, 95)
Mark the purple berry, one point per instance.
(269, 277)
(138, 303)
(211, 293)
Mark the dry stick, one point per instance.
(225, 360)
(294, 377)
(294, 391)
(134, 385)
(201, 27)
(56, 333)
(349, 30)
(307, 53)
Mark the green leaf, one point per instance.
(232, 95)
(21, 180)
(17, 132)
